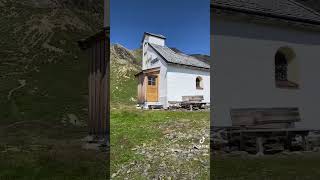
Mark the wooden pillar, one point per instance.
(241, 145)
(106, 81)
(305, 143)
(259, 144)
(98, 46)
(288, 141)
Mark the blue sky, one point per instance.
(185, 23)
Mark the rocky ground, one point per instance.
(170, 156)
(180, 151)
(223, 146)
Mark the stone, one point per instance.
(113, 175)
(316, 149)
(239, 153)
(149, 156)
(88, 138)
(91, 146)
(13, 149)
(73, 119)
(148, 166)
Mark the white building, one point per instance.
(266, 54)
(167, 75)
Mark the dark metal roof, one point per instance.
(152, 34)
(87, 42)
(281, 9)
(157, 35)
(178, 58)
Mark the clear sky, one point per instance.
(185, 23)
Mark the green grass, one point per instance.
(131, 128)
(277, 167)
(48, 151)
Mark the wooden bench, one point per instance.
(261, 135)
(192, 102)
(263, 124)
(265, 117)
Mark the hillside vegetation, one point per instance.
(43, 73)
(125, 64)
(43, 90)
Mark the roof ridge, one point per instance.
(164, 46)
(181, 54)
(164, 51)
(171, 49)
(305, 7)
(292, 10)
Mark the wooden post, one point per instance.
(259, 144)
(99, 48)
(241, 147)
(305, 143)
(288, 141)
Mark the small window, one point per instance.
(145, 43)
(151, 80)
(281, 71)
(199, 82)
(286, 69)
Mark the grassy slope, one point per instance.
(123, 83)
(39, 46)
(55, 81)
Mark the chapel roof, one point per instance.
(279, 9)
(173, 57)
(152, 34)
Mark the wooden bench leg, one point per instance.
(288, 141)
(241, 146)
(305, 143)
(260, 149)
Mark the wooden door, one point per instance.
(152, 88)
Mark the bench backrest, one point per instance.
(265, 117)
(192, 98)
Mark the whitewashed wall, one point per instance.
(155, 40)
(182, 82)
(149, 53)
(243, 76)
(174, 81)
(162, 91)
(152, 59)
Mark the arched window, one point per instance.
(281, 64)
(199, 83)
(286, 68)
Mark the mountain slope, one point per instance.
(124, 65)
(43, 73)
